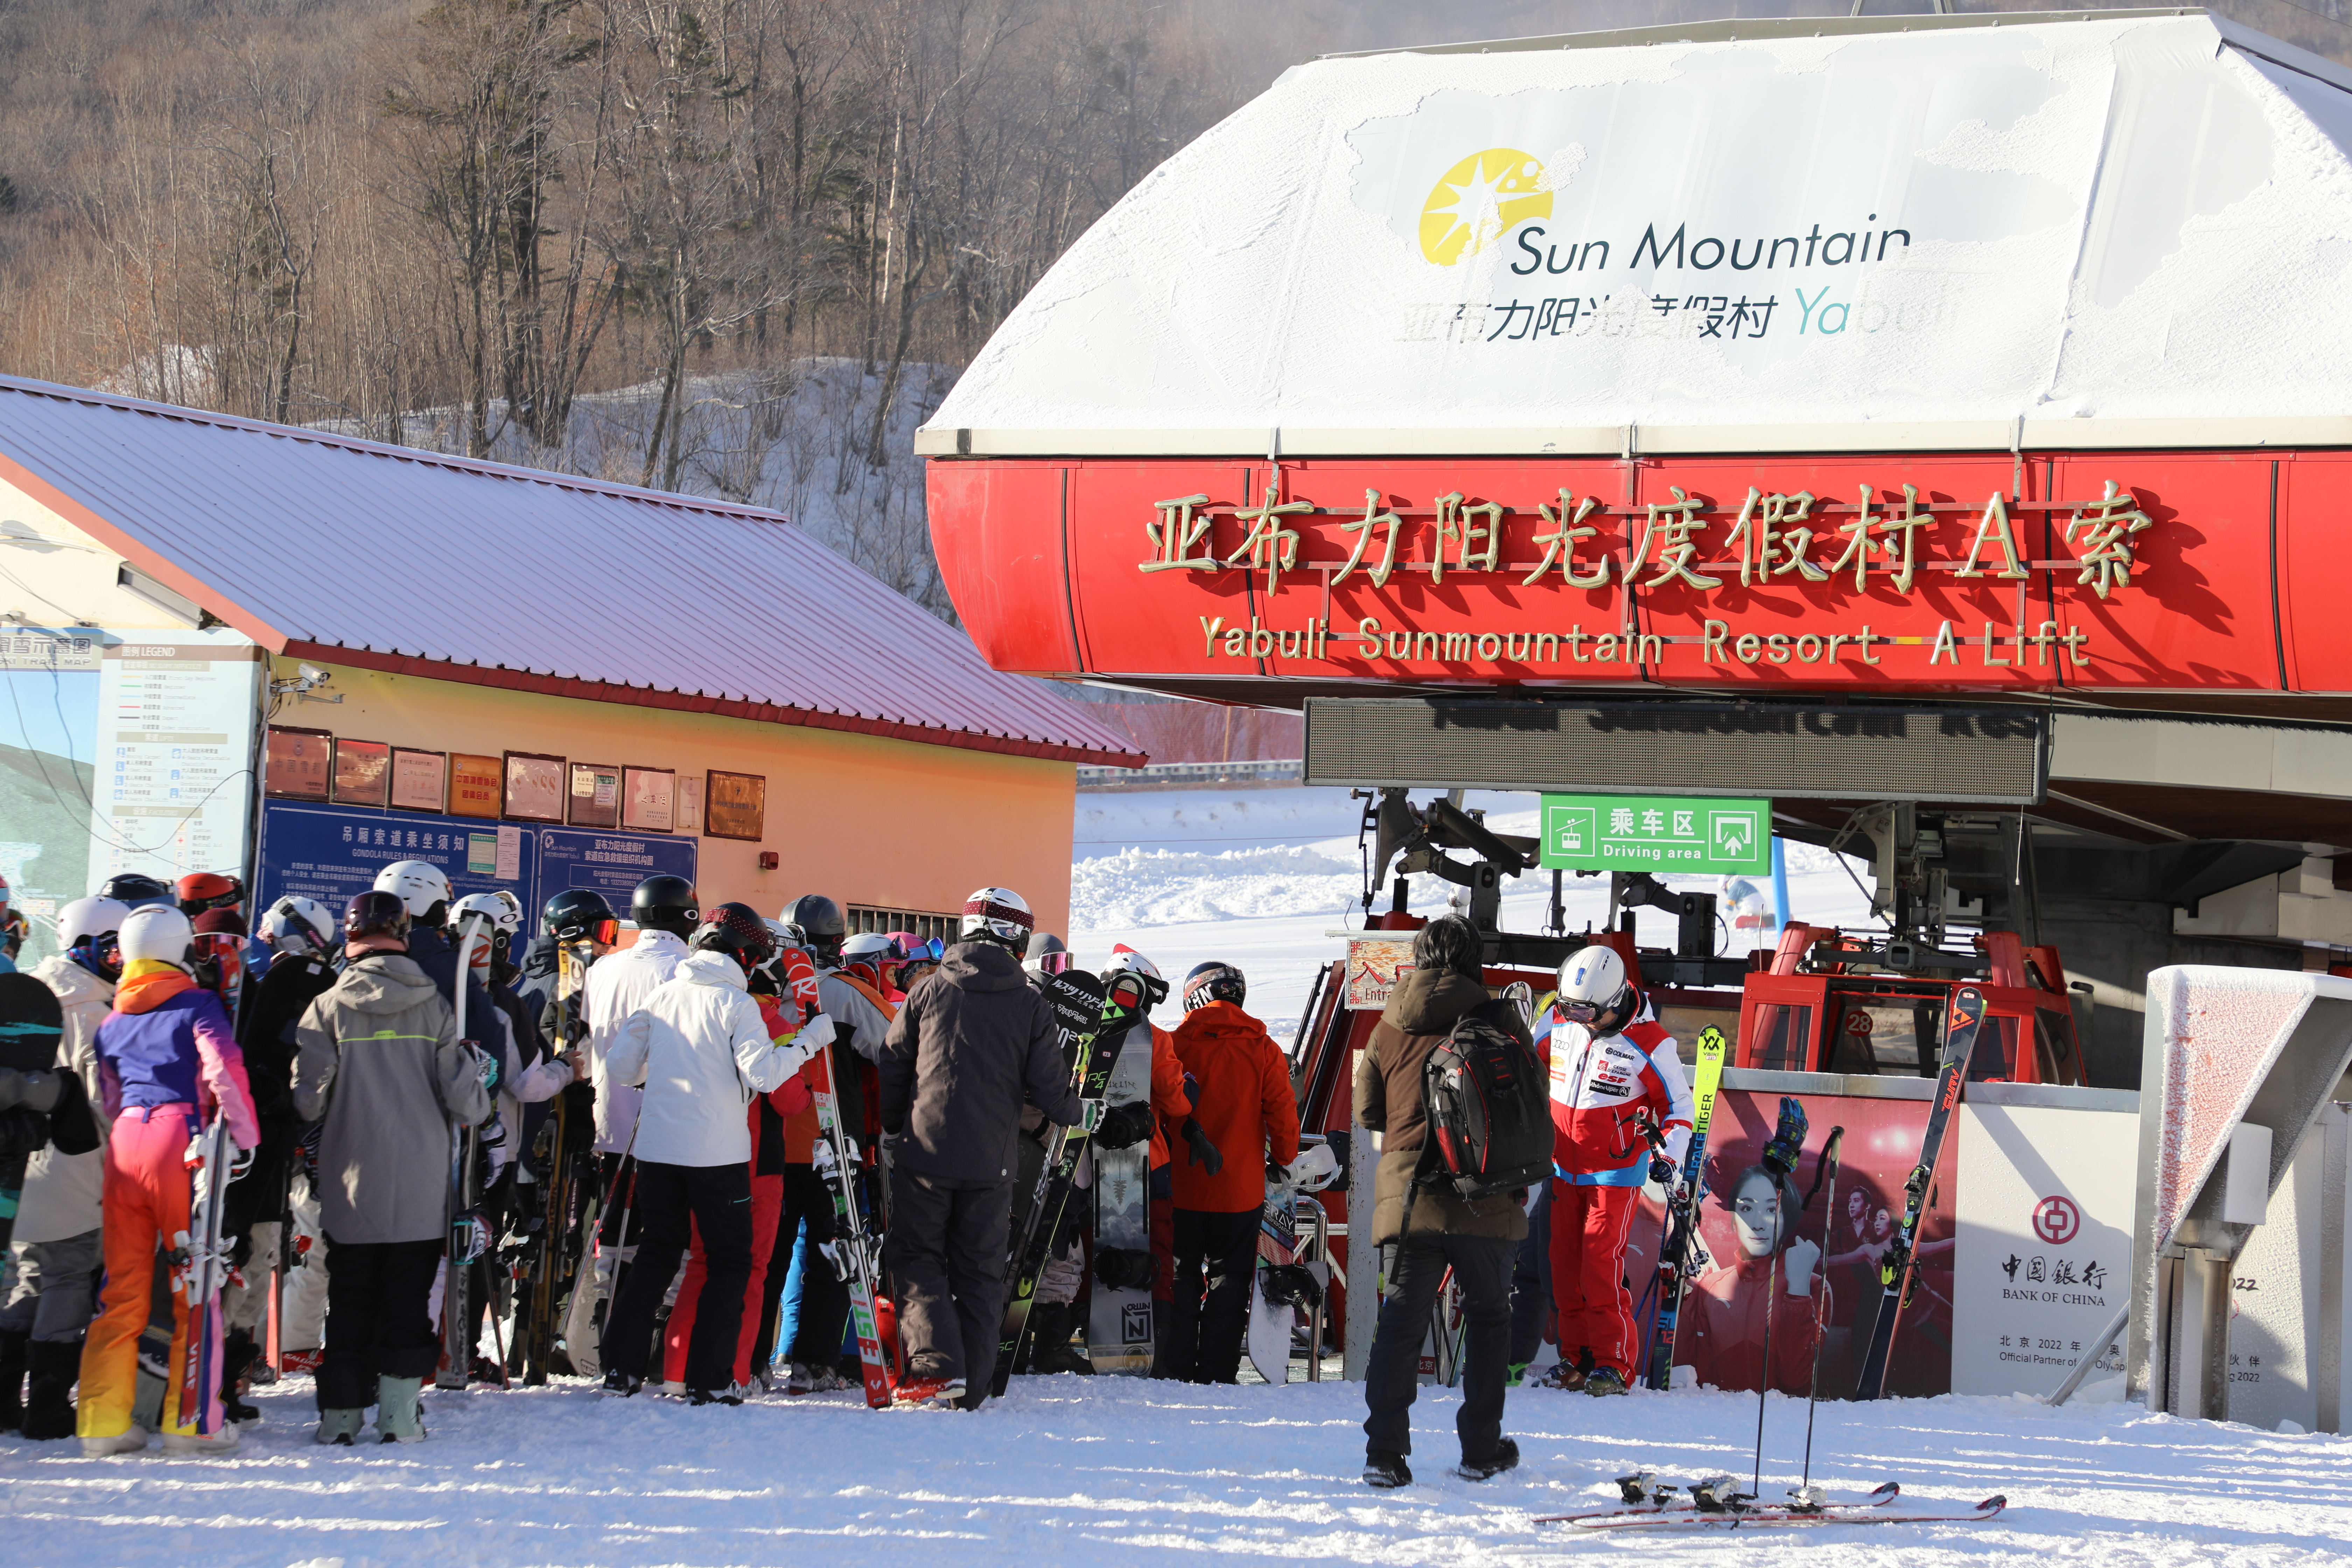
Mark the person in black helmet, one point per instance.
(665, 913)
(573, 915)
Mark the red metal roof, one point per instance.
(328, 547)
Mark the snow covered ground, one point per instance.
(1118, 1470)
(1258, 876)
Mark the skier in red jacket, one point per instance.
(1614, 1073)
(1245, 1115)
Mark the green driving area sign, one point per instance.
(1656, 833)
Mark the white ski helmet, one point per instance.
(1592, 981)
(300, 926)
(156, 930)
(998, 914)
(93, 916)
(1125, 960)
(502, 910)
(418, 884)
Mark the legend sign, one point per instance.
(1657, 832)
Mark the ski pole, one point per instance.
(1772, 1267)
(1829, 1217)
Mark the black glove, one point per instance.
(1203, 1152)
(1663, 1171)
(1124, 1126)
(1193, 1091)
(1274, 1174)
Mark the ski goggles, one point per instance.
(1055, 963)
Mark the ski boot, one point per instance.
(1605, 1380)
(49, 1401)
(1386, 1472)
(621, 1384)
(1506, 1457)
(339, 1429)
(398, 1417)
(128, 1441)
(14, 1355)
(221, 1442)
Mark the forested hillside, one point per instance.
(748, 224)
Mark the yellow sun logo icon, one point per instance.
(1479, 200)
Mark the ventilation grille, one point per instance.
(1964, 756)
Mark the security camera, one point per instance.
(314, 677)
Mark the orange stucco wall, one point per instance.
(858, 818)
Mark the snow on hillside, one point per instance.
(1259, 878)
(1113, 1470)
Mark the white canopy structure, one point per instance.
(2109, 229)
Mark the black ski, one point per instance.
(1090, 1069)
(561, 1154)
(1963, 1022)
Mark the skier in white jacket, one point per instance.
(665, 913)
(701, 1050)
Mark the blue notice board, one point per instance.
(612, 864)
(332, 852)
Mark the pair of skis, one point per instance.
(562, 1151)
(469, 1232)
(1712, 1504)
(1680, 1251)
(856, 1250)
(1087, 1011)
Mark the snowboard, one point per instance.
(1120, 1328)
(855, 1252)
(468, 1231)
(1681, 1253)
(1068, 992)
(31, 1025)
(561, 1155)
(1963, 1022)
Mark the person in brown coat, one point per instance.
(1434, 1228)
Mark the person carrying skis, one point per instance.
(1244, 1112)
(56, 1244)
(973, 1041)
(167, 1063)
(666, 911)
(1434, 1228)
(701, 1050)
(381, 1069)
(1616, 1081)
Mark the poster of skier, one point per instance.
(1722, 1329)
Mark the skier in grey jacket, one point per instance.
(971, 1044)
(381, 1068)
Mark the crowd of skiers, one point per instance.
(331, 1051)
(699, 1251)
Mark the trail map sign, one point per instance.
(1657, 832)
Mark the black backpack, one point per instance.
(1489, 1110)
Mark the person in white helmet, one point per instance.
(55, 1242)
(168, 1064)
(971, 1044)
(302, 936)
(1615, 1078)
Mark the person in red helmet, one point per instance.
(200, 892)
(1614, 1074)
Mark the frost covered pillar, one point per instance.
(2237, 1066)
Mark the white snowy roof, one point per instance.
(2127, 229)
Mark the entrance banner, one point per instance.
(1656, 833)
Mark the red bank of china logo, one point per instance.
(1687, 547)
(2057, 1219)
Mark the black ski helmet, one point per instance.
(133, 889)
(1214, 981)
(375, 913)
(666, 903)
(578, 914)
(818, 920)
(737, 930)
(1048, 955)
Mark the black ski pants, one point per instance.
(1483, 1267)
(674, 1200)
(1532, 1282)
(824, 1299)
(1217, 1255)
(378, 1322)
(946, 1247)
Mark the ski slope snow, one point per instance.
(1104, 1470)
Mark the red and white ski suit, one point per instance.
(1602, 1089)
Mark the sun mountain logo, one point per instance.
(1478, 201)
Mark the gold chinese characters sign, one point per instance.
(1676, 555)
